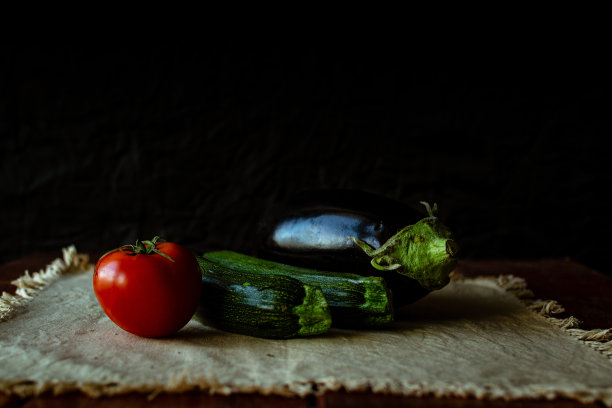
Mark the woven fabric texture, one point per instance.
(472, 338)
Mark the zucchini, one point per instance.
(355, 301)
(276, 307)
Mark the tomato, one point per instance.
(150, 289)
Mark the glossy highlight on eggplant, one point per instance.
(362, 233)
(324, 231)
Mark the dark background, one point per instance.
(101, 146)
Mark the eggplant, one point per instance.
(362, 233)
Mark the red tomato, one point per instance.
(146, 293)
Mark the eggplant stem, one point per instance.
(380, 258)
(432, 212)
(375, 262)
(363, 245)
(386, 247)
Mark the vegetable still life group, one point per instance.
(325, 258)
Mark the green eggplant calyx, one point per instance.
(425, 251)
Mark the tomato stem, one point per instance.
(140, 247)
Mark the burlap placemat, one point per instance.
(482, 337)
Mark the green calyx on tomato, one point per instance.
(141, 247)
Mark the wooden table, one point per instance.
(585, 294)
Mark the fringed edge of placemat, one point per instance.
(212, 386)
(29, 285)
(598, 339)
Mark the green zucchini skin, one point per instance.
(275, 307)
(355, 301)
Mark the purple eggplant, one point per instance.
(362, 233)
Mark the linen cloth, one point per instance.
(472, 338)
